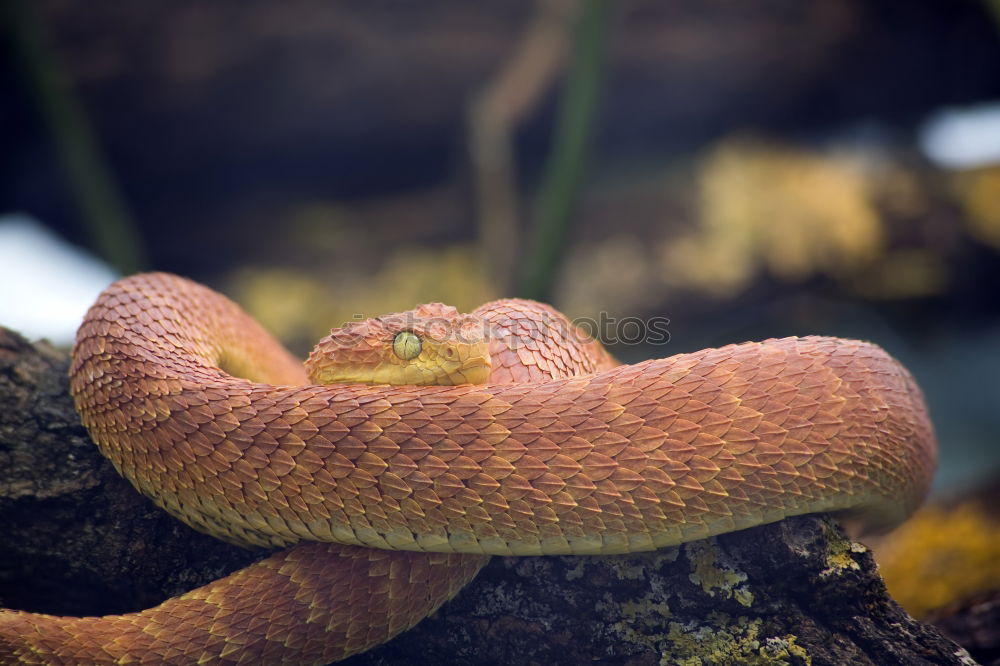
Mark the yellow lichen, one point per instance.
(786, 647)
(715, 578)
(640, 621)
(724, 641)
(838, 556)
(939, 556)
(743, 596)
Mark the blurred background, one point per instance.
(746, 170)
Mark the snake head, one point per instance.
(431, 344)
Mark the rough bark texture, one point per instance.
(79, 540)
(975, 624)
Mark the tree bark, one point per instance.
(79, 540)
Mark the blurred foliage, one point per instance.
(755, 208)
(978, 191)
(941, 555)
(994, 7)
(301, 306)
(743, 209)
(789, 211)
(904, 273)
(615, 275)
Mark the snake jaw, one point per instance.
(475, 371)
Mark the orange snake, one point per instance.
(560, 453)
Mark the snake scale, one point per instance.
(403, 491)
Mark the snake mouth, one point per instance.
(474, 371)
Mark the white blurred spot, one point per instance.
(963, 139)
(46, 284)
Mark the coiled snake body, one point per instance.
(562, 453)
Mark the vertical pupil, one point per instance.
(406, 345)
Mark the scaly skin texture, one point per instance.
(317, 603)
(629, 458)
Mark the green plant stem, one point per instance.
(569, 156)
(102, 210)
(993, 6)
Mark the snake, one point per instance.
(419, 444)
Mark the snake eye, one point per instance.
(406, 345)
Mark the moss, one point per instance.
(730, 641)
(716, 578)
